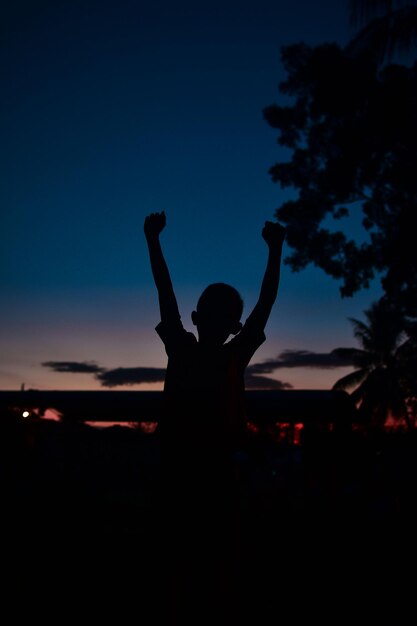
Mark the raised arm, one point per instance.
(273, 234)
(154, 224)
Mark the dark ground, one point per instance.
(331, 523)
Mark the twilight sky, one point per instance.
(114, 109)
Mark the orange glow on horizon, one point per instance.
(145, 427)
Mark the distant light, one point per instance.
(25, 414)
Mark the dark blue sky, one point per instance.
(111, 110)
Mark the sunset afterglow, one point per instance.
(119, 114)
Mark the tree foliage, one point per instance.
(351, 130)
(384, 381)
(386, 27)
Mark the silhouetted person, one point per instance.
(204, 423)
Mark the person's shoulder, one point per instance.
(249, 338)
(250, 330)
(170, 325)
(174, 330)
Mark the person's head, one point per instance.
(218, 313)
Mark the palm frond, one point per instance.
(354, 379)
(386, 376)
(360, 330)
(354, 356)
(363, 11)
(384, 330)
(386, 36)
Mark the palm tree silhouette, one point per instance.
(381, 382)
(386, 27)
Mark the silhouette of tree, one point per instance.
(407, 354)
(385, 362)
(386, 27)
(352, 133)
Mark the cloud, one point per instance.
(126, 376)
(303, 358)
(131, 376)
(109, 378)
(255, 376)
(74, 367)
(264, 382)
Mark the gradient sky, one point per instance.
(114, 109)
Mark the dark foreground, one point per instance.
(328, 527)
